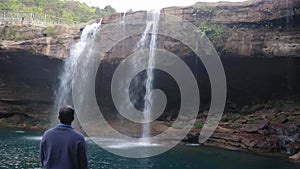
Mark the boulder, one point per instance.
(295, 157)
(253, 128)
(297, 122)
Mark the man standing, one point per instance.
(62, 147)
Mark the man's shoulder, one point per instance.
(77, 133)
(73, 132)
(69, 131)
(49, 130)
(48, 133)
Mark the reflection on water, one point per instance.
(21, 150)
(132, 145)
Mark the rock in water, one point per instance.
(295, 157)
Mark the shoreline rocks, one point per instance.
(264, 131)
(263, 127)
(295, 157)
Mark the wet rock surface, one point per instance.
(295, 158)
(260, 29)
(261, 131)
(27, 87)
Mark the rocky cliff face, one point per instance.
(50, 41)
(27, 83)
(255, 28)
(258, 42)
(30, 62)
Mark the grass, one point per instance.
(50, 31)
(230, 117)
(19, 37)
(236, 125)
(196, 125)
(11, 34)
(255, 120)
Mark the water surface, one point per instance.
(20, 149)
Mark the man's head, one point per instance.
(66, 114)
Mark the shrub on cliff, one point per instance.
(49, 31)
(71, 10)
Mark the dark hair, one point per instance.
(66, 114)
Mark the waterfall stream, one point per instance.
(79, 59)
(152, 23)
(63, 95)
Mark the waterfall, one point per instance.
(152, 23)
(80, 62)
(123, 19)
(289, 14)
(63, 95)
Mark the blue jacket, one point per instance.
(62, 147)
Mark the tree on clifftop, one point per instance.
(71, 10)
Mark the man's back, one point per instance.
(63, 148)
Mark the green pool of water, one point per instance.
(20, 149)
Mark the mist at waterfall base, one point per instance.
(20, 149)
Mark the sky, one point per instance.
(125, 5)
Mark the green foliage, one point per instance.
(10, 122)
(196, 125)
(230, 117)
(236, 125)
(49, 31)
(215, 32)
(203, 10)
(19, 37)
(11, 33)
(35, 121)
(177, 125)
(71, 10)
(255, 120)
(68, 15)
(109, 9)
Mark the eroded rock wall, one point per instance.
(27, 84)
(255, 28)
(258, 42)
